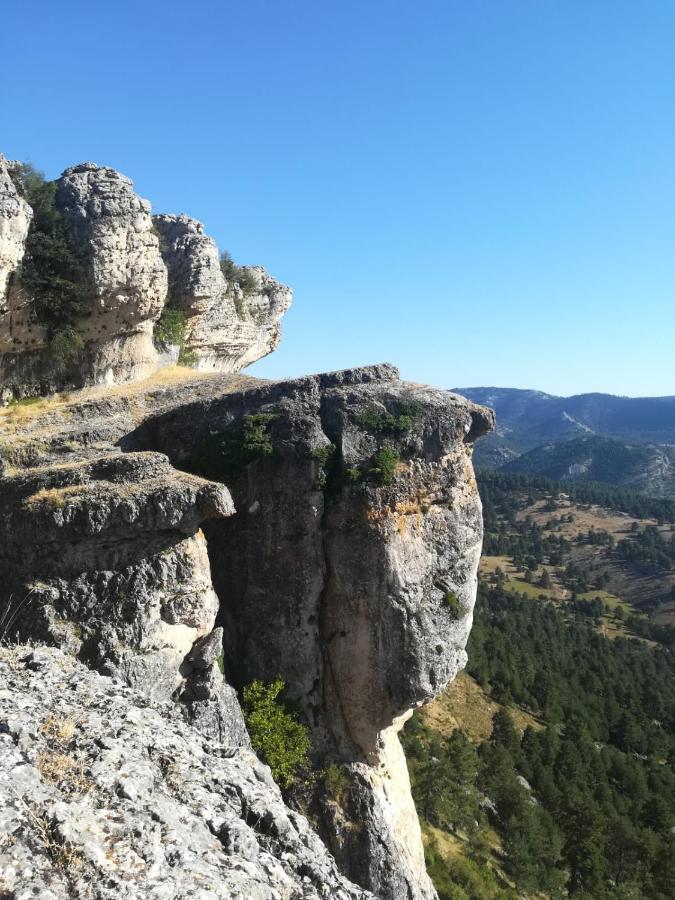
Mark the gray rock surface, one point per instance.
(360, 594)
(105, 559)
(104, 795)
(357, 589)
(225, 329)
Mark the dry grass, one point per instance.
(57, 498)
(58, 730)
(64, 772)
(464, 704)
(56, 764)
(585, 518)
(65, 857)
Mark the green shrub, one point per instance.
(224, 453)
(385, 463)
(65, 346)
(382, 422)
(351, 473)
(241, 276)
(452, 602)
(323, 454)
(275, 733)
(54, 267)
(170, 329)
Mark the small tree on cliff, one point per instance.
(275, 733)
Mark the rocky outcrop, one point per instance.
(104, 558)
(103, 795)
(358, 592)
(128, 284)
(226, 328)
(348, 567)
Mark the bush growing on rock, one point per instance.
(221, 454)
(238, 275)
(275, 733)
(383, 422)
(385, 463)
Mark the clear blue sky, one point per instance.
(480, 192)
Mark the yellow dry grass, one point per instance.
(585, 518)
(464, 704)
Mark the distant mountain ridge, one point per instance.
(628, 441)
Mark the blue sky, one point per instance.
(480, 192)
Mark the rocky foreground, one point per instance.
(104, 794)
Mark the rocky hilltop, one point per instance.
(131, 268)
(190, 533)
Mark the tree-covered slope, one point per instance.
(582, 805)
(642, 467)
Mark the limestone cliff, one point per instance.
(126, 286)
(192, 532)
(353, 580)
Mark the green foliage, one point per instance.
(452, 602)
(170, 329)
(499, 489)
(276, 734)
(385, 463)
(462, 878)
(597, 820)
(323, 454)
(53, 270)
(337, 783)
(383, 422)
(65, 346)
(224, 453)
(242, 277)
(352, 474)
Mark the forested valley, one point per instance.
(569, 789)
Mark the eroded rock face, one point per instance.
(225, 329)
(127, 288)
(128, 275)
(359, 593)
(353, 579)
(15, 219)
(104, 795)
(104, 558)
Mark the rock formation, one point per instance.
(128, 284)
(226, 328)
(357, 588)
(186, 535)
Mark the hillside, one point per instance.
(643, 467)
(627, 441)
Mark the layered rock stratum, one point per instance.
(165, 543)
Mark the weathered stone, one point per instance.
(225, 329)
(15, 219)
(113, 796)
(360, 594)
